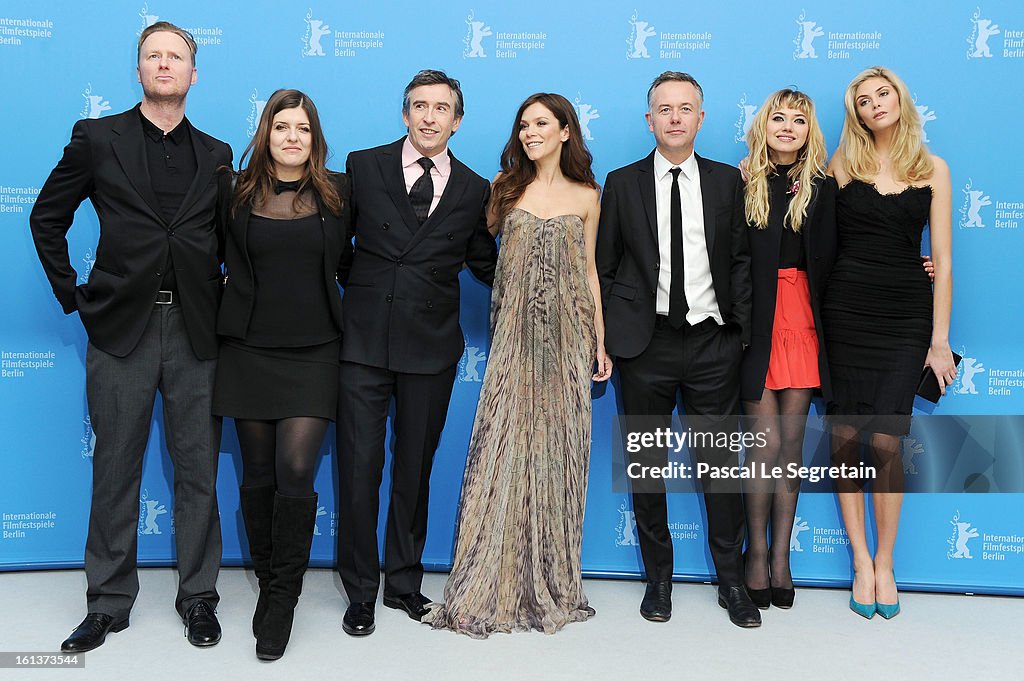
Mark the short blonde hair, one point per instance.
(168, 27)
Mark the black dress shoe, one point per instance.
(783, 598)
(358, 620)
(201, 626)
(91, 633)
(742, 611)
(415, 604)
(657, 603)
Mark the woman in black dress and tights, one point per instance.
(280, 321)
(883, 321)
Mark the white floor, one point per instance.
(937, 637)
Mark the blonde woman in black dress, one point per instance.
(883, 321)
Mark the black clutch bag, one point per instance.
(928, 386)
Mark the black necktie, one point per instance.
(422, 192)
(677, 307)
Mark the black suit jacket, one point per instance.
(239, 290)
(628, 257)
(401, 303)
(819, 239)
(105, 162)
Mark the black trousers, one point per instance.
(121, 392)
(421, 407)
(702, 363)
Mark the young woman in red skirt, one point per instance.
(790, 206)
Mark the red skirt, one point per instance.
(794, 358)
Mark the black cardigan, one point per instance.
(820, 242)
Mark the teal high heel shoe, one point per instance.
(865, 610)
(888, 611)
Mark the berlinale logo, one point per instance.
(147, 18)
(149, 511)
(799, 525)
(95, 105)
(809, 30)
(638, 35)
(969, 368)
(316, 29)
(470, 364)
(970, 209)
(927, 116)
(473, 43)
(746, 119)
(911, 450)
(981, 31)
(88, 260)
(88, 439)
(957, 541)
(626, 529)
(585, 113)
(255, 112)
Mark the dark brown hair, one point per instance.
(518, 171)
(167, 26)
(256, 179)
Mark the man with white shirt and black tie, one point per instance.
(674, 263)
(419, 215)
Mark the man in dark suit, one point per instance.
(674, 263)
(418, 215)
(149, 309)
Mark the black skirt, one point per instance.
(275, 383)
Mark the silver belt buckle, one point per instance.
(165, 297)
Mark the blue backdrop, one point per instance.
(62, 61)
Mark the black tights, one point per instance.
(282, 453)
(782, 416)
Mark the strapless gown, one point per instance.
(517, 558)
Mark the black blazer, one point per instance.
(628, 257)
(401, 302)
(105, 162)
(239, 290)
(819, 238)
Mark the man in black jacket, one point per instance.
(149, 309)
(674, 262)
(418, 214)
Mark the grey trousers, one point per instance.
(121, 392)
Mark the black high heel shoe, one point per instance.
(782, 598)
(762, 598)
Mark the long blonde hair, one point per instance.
(810, 161)
(908, 155)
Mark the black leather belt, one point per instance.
(166, 297)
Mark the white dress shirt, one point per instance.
(697, 285)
